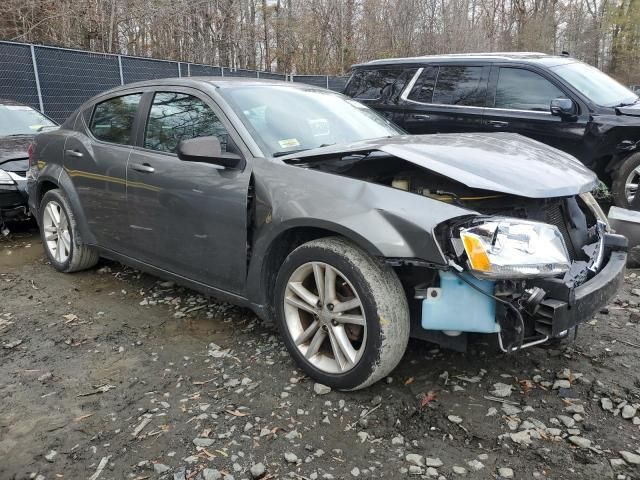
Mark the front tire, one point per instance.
(626, 181)
(343, 315)
(58, 230)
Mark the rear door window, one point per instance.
(460, 85)
(179, 116)
(379, 84)
(422, 90)
(113, 119)
(520, 89)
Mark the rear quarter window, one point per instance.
(113, 119)
(384, 84)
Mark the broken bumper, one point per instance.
(565, 307)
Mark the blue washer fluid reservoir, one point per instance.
(456, 306)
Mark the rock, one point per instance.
(362, 436)
(575, 408)
(607, 404)
(415, 459)
(561, 384)
(521, 438)
(455, 419)
(211, 474)
(492, 412)
(433, 462)
(160, 468)
(321, 389)
(505, 472)
(192, 459)
(398, 440)
(51, 456)
(501, 390)
(290, 457)
(629, 457)
(257, 470)
(580, 441)
(568, 421)
(44, 377)
(292, 435)
(475, 465)
(180, 474)
(377, 400)
(635, 291)
(432, 472)
(636, 420)
(203, 442)
(510, 409)
(459, 470)
(628, 412)
(415, 470)
(355, 472)
(617, 463)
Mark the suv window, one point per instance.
(380, 84)
(460, 86)
(520, 89)
(422, 90)
(112, 119)
(178, 116)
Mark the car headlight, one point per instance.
(513, 248)
(5, 178)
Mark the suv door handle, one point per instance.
(420, 116)
(497, 123)
(143, 167)
(73, 153)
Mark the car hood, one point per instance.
(13, 153)
(500, 162)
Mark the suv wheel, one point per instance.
(59, 235)
(626, 182)
(343, 315)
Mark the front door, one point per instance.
(446, 99)
(188, 218)
(95, 158)
(520, 103)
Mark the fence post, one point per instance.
(327, 82)
(120, 69)
(222, 71)
(179, 70)
(188, 69)
(37, 77)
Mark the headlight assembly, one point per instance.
(513, 248)
(5, 178)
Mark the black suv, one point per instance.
(554, 99)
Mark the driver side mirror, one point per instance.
(207, 150)
(562, 107)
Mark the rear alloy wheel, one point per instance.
(343, 314)
(626, 182)
(59, 235)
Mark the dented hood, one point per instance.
(500, 162)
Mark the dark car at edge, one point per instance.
(320, 215)
(554, 99)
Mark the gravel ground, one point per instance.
(115, 374)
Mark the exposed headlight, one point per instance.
(513, 248)
(5, 178)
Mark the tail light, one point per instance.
(30, 154)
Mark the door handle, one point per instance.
(73, 153)
(143, 167)
(420, 116)
(497, 123)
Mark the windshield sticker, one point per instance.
(289, 142)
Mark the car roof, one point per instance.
(216, 82)
(6, 101)
(493, 57)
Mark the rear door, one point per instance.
(519, 102)
(446, 98)
(95, 157)
(188, 218)
(380, 88)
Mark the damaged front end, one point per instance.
(536, 267)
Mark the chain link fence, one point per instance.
(57, 80)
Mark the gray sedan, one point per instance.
(320, 215)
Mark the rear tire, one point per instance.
(626, 175)
(364, 317)
(59, 232)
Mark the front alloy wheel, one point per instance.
(343, 314)
(57, 237)
(325, 317)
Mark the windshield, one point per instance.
(285, 120)
(599, 87)
(21, 120)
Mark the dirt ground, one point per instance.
(115, 374)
